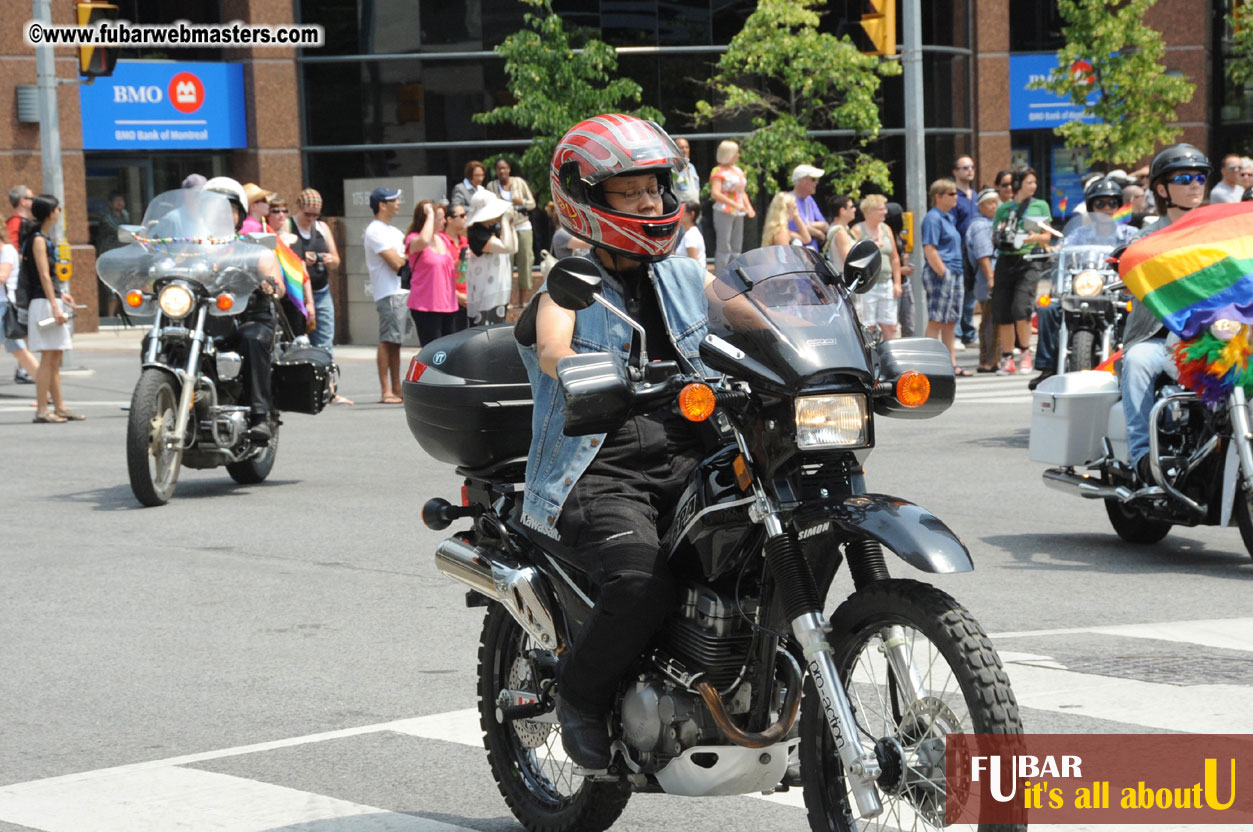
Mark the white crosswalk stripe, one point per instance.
(167, 794)
(994, 389)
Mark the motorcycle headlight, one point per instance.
(1224, 329)
(175, 301)
(831, 421)
(1089, 283)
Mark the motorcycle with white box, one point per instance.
(1200, 454)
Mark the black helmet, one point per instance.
(1102, 188)
(1180, 156)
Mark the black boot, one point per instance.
(260, 432)
(1144, 472)
(584, 735)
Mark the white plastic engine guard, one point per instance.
(735, 769)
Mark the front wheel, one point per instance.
(1134, 527)
(528, 763)
(257, 468)
(153, 451)
(965, 691)
(1082, 351)
(1244, 515)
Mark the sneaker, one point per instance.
(20, 376)
(1007, 367)
(960, 346)
(1024, 363)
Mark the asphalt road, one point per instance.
(285, 655)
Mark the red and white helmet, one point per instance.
(603, 147)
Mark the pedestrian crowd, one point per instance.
(471, 259)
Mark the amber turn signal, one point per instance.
(1044, 301)
(1128, 306)
(696, 402)
(225, 301)
(913, 389)
(134, 298)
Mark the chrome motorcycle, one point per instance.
(748, 688)
(1086, 285)
(187, 268)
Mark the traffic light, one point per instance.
(95, 61)
(880, 27)
(907, 231)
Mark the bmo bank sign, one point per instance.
(158, 105)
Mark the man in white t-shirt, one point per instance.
(26, 363)
(1229, 189)
(384, 255)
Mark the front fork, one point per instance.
(188, 376)
(1242, 432)
(810, 630)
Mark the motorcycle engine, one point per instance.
(708, 636)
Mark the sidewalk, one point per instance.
(129, 339)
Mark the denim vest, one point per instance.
(556, 461)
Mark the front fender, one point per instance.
(914, 534)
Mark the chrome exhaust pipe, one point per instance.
(521, 591)
(1089, 487)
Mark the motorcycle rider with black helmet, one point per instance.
(1177, 180)
(1102, 198)
(254, 334)
(605, 495)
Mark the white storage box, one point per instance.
(1069, 415)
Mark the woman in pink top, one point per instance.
(731, 204)
(433, 288)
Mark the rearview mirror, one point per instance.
(127, 233)
(261, 238)
(862, 266)
(573, 282)
(1034, 225)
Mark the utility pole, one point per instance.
(915, 149)
(49, 117)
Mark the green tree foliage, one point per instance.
(1240, 61)
(554, 87)
(792, 79)
(1137, 99)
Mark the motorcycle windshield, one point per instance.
(186, 234)
(774, 304)
(1089, 239)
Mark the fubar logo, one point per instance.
(186, 92)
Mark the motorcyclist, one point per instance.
(1177, 180)
(604, 495)
(254, 335)
(1102, 198)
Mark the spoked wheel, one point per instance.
(528, 763)
(964, 689)
(153, 451)
(1134, 527)
(257, 468)
(1244, 515)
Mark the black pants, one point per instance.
(254, 338)
(432, 325)
(611, 517)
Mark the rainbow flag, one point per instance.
(1123, 215)
(293, 275)
(1197, 271)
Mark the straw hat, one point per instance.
(486, 206)
(256, 193)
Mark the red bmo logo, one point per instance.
(186, 92)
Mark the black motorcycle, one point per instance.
(186, 267)
(748, 688)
